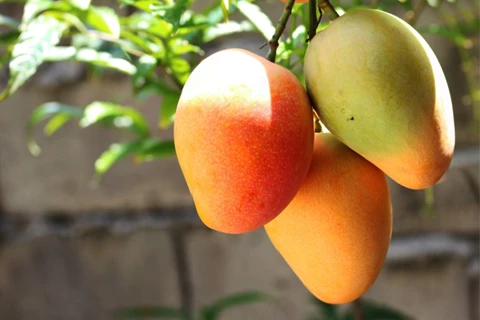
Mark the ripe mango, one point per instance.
(336, 231)
(243, 135)
(377, 86)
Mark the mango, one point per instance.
(378, 86)
(336, 231)
(243, 135)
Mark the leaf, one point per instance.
(225, 29)
(172, 12)
(180, 67)
(44, 111)
(9, 37)
(56, 123)
(214, 311)
(373, 311)
(151, 312)
(9, 22)
(225, 5)
(115, 115)
(103, 19)
(169, 107)
(180, 47)
(91, 56)
(28, 53)
(80, 4)
(145, 66)
(153, 149)
(259, 19)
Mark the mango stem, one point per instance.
(282, 22)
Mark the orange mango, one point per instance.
(378, 87)
(243, 135)
(336, 231)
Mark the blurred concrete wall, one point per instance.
(71, 251)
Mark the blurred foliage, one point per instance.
(323, 311)
(210, 312)
(157, 43)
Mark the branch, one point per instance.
(183, 271)
(273, 43)
(357, 308)
(411, 17)
(312, 19)
(327, 7)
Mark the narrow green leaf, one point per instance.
(115, 152)
(153, 149)
(45, 111)
(80, 4)
(225, 5)
(9, 37)
(117, 116)
(213, 312)
(225, 29)
(151, 312)
(56, 123)
(91, 56)
(256, 16)
(38, 37)
(169, 107)
(9, 22)
(103, 19)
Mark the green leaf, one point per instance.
(373, 311)
(259, 19)
(169, 107)
(115, 115)
(180, 47)
(45, 111)
(145, 67)
(103, 19)
(36, 39)
(171, 12)
(80, 4)
(225, 5)
(225, 29)
(56, 123)
(9, 22)
(151, 312)
(9, 37)
(213, 312)
(91, 56)
(153, 149)
(180, 67)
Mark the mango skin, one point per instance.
(336, 232)
(377, 86)
(243, 135)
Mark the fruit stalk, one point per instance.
(327, 7)
(282, 22)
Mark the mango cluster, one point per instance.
(245, 141)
